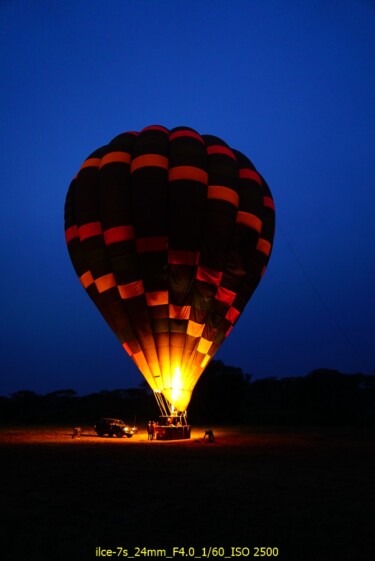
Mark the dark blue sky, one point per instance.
(291, 84)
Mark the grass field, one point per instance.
(305, 494)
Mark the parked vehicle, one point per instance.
(114, 427)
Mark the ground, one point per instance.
(305, 494)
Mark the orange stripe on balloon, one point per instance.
(89, 230)
(141, 362)
(106, 282)
(204, 346)
(223, 194)
(91, 163)
(127, 349)
(195, 329)
(149, 160)
(205, 361)
(86, 279)
(246, 173)
(115, 158)
(188, 173)
(132, 347)
(250, 220)
(118, 234)
(264, 246)
(179, 312)
(131, 290)
(157, 298)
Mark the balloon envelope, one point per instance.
(169, 232)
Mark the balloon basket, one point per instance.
(172, 428)
(172, 433)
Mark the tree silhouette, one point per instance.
(224, 394)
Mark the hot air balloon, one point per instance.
(169, 232)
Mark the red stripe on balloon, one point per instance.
(155, 128)
(225, 295)
(219, 149)
(115, 158)
(268, 202)
(89, 230)
(185, 133)
(71, 233)
(246, 173)
(118, 234)
(232, 315)
(211, 276)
